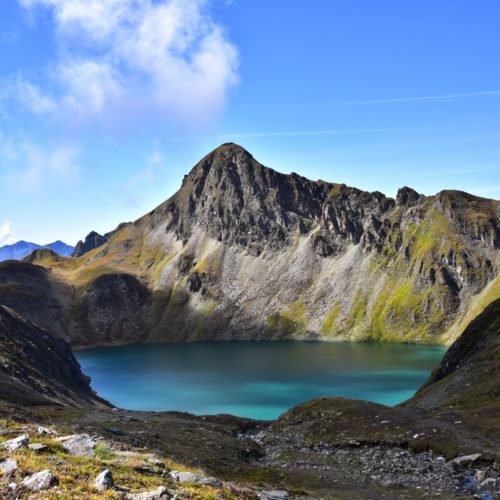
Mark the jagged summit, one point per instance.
(92, 240)
(238, 200)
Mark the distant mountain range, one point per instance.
(21, 249)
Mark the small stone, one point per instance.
(274, 495)
(480, 475)
(466, 459)
(8, 466)
(46, 431)
(18, 443)
(42, 480)
(116, 431)
(488, 483)
(79, 445)
(37, 447)
(12, 486)
(189, 477)
(104, 481)
(157, 463)
(159, 493)
(415, 436)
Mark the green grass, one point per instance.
(329, 326)
(289, 322)
(76, 475)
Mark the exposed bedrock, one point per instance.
(37, 368)
(244, 252)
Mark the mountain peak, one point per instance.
(92, 240)
(230, 147)
(238, 200)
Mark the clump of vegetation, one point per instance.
(291, 321)
(329, 325)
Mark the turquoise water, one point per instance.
(255, 379)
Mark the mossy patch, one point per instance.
(329, 326)
(289, 322)
(356, 316)
(402, 312)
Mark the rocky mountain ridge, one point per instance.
(244, 252)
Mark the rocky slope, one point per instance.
(468, 378)
(37, 368)
(244, 252)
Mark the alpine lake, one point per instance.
(258, 380)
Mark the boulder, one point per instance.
(274, 495)
(79, 445)
(465, 460)
(8, 466)
(37, 447)
(189, 477)
(17, 443)
(159, 493)
(104, 481)
(488, 483)
(42, 480)
(45, 431)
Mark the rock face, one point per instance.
(244, 252)
(37, 368)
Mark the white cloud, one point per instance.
(33, 99)
(6, 234)
(145, 176)
(29, 166)
(126, 59)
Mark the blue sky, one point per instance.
(106, 104)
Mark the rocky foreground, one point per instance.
(443, 443)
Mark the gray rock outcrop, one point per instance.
(40, 481)
(80, 445)
(18, 443)
(104, 481)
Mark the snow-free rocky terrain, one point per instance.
(244, 252)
